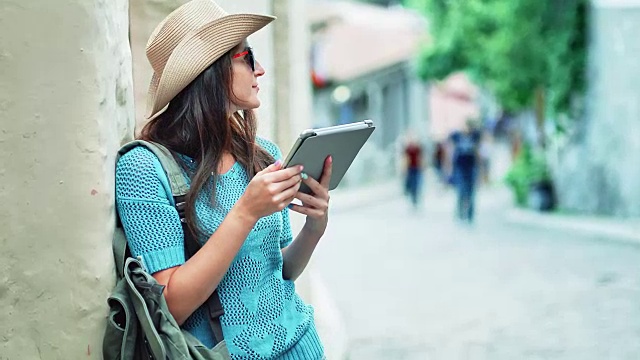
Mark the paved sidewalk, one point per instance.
(311, 285)
(606, 228)
(354, 198)
(603, 228)
(493, 200)
(420, 285)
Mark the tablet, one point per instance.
(342, 142)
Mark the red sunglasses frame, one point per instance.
(249, 58)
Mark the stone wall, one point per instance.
(65, 106)
(599, 169)
(291, 71)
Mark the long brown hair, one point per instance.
(197, 124)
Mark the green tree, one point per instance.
(529, 53)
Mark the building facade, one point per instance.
(363, 68)
(597, 168)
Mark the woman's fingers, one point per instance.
(318, 189)
(314, 185)
(271, 168)
(321, 188)
(311, 201)
(306, 210)
(264, 194)
(280, 186)
(312, 206)
(284, 186)
(284, 174)
(286, 191)
(325, 179)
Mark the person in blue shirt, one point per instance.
(465, 162)
(200, 105)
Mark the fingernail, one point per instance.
(290, 206)
(301, 168)
(278, 162)
(330, 159)
(304, 176)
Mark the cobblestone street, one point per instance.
(418, 285)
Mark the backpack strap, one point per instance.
(119, 248)
(179, 189)
(177, 180)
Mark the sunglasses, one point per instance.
(248, 58)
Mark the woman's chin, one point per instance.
(249, 105)
(253, 104)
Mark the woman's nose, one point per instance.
(259, 69)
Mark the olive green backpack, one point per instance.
(139, 325)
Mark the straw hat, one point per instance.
(188, 41)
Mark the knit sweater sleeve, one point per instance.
(286, 236)
(145, 206)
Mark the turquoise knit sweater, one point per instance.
(264, 317)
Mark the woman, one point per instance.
(203, 91)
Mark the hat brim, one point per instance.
(197, 52)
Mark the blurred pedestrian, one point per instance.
(413, 155)
(438, 161)
(465, 163)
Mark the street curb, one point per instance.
(624, 230)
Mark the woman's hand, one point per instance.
(316, 206)
(271, 190)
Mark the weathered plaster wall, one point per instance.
(598, 171)
(291, 71)
(144, 16)
(65, 106)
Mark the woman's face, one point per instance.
(244, 83)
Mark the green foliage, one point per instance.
(437, 62)
(510, 46)
(528, 168)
